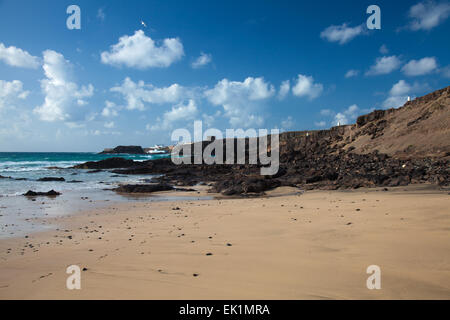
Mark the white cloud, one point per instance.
(285, 87)
(446, 71)
(400, 88)
(75, 125)
(384, 65)
(347, 116)
(141, 52)
(351, 73)
(109, 125)
(10, 91)
(427, 15)
(17, 57)
(320, 124)
(101, 15)
(201, 61)
(305, 87)
(340, 119)
(137, 94)
(400, 91)
(61, 93)
(209, 120)
(326, 112)
(420, 67)
(179, 112)
(342, 33)
(394, 102)
(384, 49)
(288, 123)
(110, 109)
(240, 100)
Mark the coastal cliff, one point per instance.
(386, 148)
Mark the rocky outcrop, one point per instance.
(51, 193)
(48, 179)
(385, 148)
(124, 150)
(110, 163)
(143, 188)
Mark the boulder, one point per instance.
(51, 193)
(143, 188)
(48, 179)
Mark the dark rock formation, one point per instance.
(385, 148)
(124, 150)
(111, 163)
(51, 193)
(48, 179)
(143, 188)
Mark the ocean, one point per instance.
(80, 191)
(22, 170)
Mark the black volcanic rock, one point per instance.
(380, 150)
(143, 188)
(48, 179)
(51, 193)
(110, 163)
(124, 150)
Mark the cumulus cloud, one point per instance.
(110, 109)
(320, 124)
(400, 91)
(384, 65)
(138, 94)
(344, 117)
(75, 125)
(305, 87)
(287, 123)
(209, 120)
(201, 61)
(241, 101)
(141, 52)
(179, 112)
(109, 125)
(420, 67)
(351, 73)
(342, 33)
(10, 92)
(61, 93)
(285, 87)
(394, 102)
(326, 112)
(17, 57)
(400, 88)
(427, 15)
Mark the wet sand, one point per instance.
(315, 245)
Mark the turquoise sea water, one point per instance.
(22, 170)
(21, 215)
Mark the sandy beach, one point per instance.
(289, 245)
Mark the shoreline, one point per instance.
(21, 215)
(307, 246)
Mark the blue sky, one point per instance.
(292, 65)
